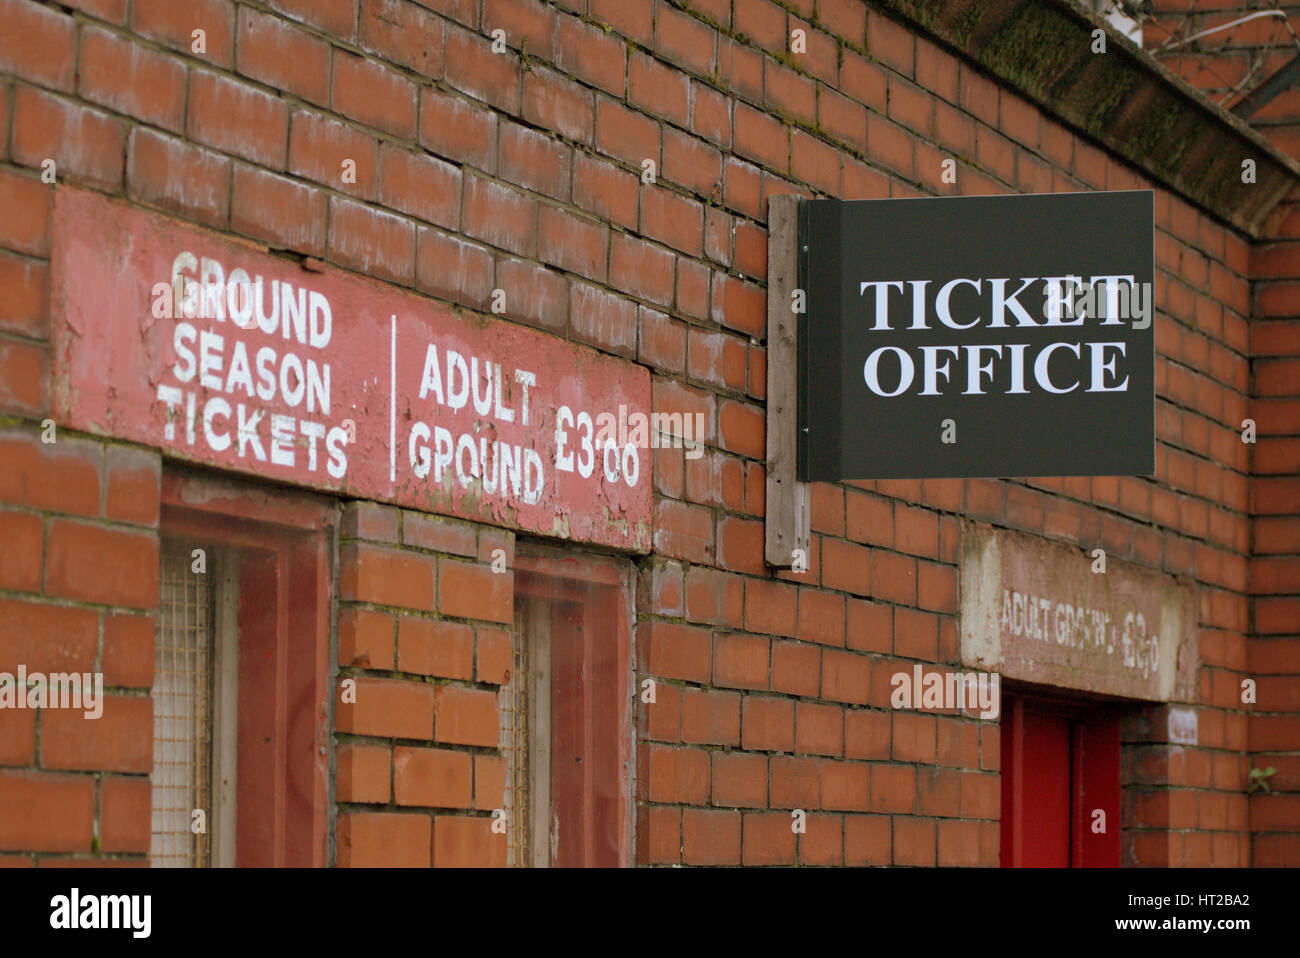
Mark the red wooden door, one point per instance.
(1060, 785)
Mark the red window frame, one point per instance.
(283, 749)
(1060, 763)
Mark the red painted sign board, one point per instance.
(218, 352)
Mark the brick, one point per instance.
(100, 564)
(429, 647)
(463, 842)
(739, 305)
(174, 176)
(789, 94)
(602, 319)
(374, 95)
(335, 17)
(573, 243)
(473, 68)
(473, 590)
(625, 134)
(368, 520)
(458, 129)
(741, 661)
(383, 839)
(125, 814)
(528, 25)
(846, 677)
(641, 270)
(893, 788)
(677, 774)
(796, 668)
(119, 740)
(743, 429)
(432, 777)
(320, 147)
(534, 294)
(132, 477)
(131, 79)
(685, 41)
(761, 138)
(28, 201)
(605, 190)
(554, 102)
(466, 716)
(586, 53)
(692, 163)
(390, 708)
(128, 658)
(634, 20)
(499, 215)
(674, 651)
(866, 734)
(451, 268)
(914, 841)
(693, 288)
(739, 779)
(767, 724)
(662, 341)
(764, 22)
(59, 477)
(364, 772)
(795, 782)
(710, 837)
(365, 639)
(17, 736)
(846, 786)
(23, 630)
(38, 44)
(893, 577)
(403, 33)
(238, 118)
(278, 210)
(371, 241)
(25, 307)
(172, 24)
(23, 377)
(768, 839)
(866, 840)
(370, 573)
(890, 145)
(85, 144)
(658, 89)
(489, 782)
(21, 562)
(710, 718)
(535, 161)
(283, 56)
(46, 813)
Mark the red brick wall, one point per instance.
(407, 802)
(78, 589)
(1274, 652)
(521, 171)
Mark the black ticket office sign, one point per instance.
(977, 336)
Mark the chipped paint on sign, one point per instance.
(217, 352)
(1034, 610)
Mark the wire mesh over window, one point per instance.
(182, 709)
(514, 742)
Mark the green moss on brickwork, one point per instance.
(1034, 46)
(1116, 88)
(924, 12)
